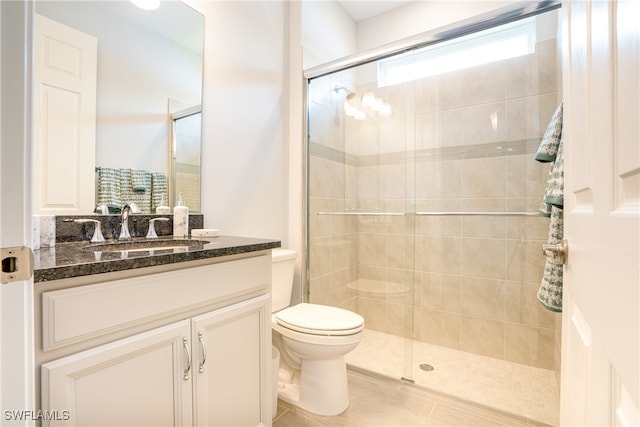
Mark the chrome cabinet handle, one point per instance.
(187, 369)
(203, 348)
(558, 251)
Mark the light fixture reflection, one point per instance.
(368, 99)
(353, 107)
(360, 115)
(385, 110)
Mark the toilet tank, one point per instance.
(283, 262)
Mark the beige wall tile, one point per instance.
(484, 84)
(438, 291)
(441, 179)
(450, 90)
(374, 313)
(484, 123)
(484, 298)
(529, 345)
(525, 261)
(484, 226)
(372, 249)
(438, 254)
(396, 319)
(482, 178)
(437, 327)
(528, 117)
(427, 95)
(483, 258)
(525, 176)
(482, 336)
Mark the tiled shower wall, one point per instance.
(458, 142)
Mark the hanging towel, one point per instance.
(551, 150)
(140, 181)
(550, 291)
(126, 188)
(109, 187)
(548, 148)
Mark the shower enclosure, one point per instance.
(423, 199)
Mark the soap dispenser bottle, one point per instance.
(180, 219)
(163, 209)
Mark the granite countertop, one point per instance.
(73, 259)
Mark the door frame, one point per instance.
(17, 390)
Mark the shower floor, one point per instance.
(518, 389)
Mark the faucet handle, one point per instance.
(102, 209)
(151, 234)
(97, 229)
(135, 209)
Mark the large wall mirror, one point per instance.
(148, 94)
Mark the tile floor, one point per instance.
(383, 402)
(528, 392)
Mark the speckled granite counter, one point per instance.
(73, 259)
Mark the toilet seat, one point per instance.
(318, 319)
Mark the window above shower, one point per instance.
(491, 45)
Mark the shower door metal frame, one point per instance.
(458, 29)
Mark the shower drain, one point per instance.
(426, 367)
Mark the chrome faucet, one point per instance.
(124, 227)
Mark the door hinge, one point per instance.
(17, 264)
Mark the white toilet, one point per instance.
(312, 340)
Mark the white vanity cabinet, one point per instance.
(207, 365)
(137, 381)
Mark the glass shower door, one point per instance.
(360, 203)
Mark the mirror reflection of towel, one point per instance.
(140, 180)
(551, 150)
(109, 187)
(117, 187)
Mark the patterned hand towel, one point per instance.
(140, 180)
(550, 291)
(550, 143)
(551, 149)
(109, 187)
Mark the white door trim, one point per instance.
(16, 298)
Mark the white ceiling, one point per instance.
(365, 9)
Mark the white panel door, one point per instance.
(230, 365)
(144, 380)
(64, 117)
(601, 348)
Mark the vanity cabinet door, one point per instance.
(143, 380)
(230, 376)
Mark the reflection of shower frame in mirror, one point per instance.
(185, 156)
(150, 58)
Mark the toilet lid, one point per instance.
(320, 319)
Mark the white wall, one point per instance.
(328, 32)
(418, 17)
(244, 166)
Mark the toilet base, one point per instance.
(320, 387)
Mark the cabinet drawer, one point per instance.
(77, 314)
